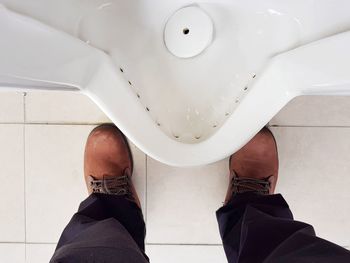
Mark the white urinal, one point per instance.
(188, 82)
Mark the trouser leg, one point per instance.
(260, 228)
(106, 228)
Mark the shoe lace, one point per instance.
(244, 184)
(113, 185)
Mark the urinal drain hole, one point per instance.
(245, 88)
(254, 76)
(186, 31)
(147, 109)
(121, 70)
(237, 100)
(197, 137)
(138, 95)
(130, 83)
(227, 113)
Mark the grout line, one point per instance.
(28, 243)
(41, 243)
(11, 242)
(24, 175)
(307, 126)
(60, 123)
(52, 123)
(24, 107)
(12, 123)
(98, 123)
(146, 186)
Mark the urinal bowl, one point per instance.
(188, 82)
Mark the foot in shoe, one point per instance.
(254, 168)
(108, 163)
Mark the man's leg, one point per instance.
(256, 225)
(109, 225)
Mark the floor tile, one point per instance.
(181, 202)
(185, 254)
(12, 253)
(61, 107)
(12, 183)
(54, 177)
(315, 111)
(11, 107)
(314, 178)
(39, 253)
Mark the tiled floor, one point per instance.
(42, 138)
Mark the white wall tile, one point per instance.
(39, 253)
(314, 178)
(315, 111)
(61, 107)
(185, 254)
(12, 253)
(11, 107)
(181, 202)
(12, 183)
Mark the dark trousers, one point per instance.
(254, 228)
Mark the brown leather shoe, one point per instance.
(254, 168)
(108, 163)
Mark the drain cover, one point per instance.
(188, 32)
